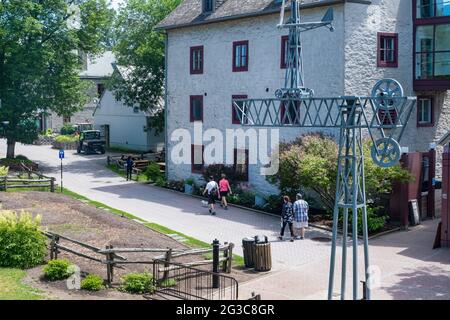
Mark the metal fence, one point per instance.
(188, 283)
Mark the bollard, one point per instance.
(364, 284)
(216, 246)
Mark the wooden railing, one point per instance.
(17, 183)
(112, 258)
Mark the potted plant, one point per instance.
(189, 186)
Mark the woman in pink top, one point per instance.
(225, 189)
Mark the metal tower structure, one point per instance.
(383, 115)
(294, 83)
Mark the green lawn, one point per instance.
(12, 288)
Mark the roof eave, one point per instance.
(259, 13)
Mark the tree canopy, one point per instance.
(140, 47)
(40, 41)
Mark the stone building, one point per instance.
(96, 70)
(217, 50)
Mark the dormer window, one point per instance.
(208, 6)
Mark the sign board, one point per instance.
(414, 213)
(61, 154)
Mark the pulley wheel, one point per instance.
(386, 152)
(384, 90)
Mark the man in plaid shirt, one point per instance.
(301, 209)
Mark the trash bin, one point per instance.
(263, 255)
(248, 245)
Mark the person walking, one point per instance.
(287, 218)
(301, 208)
(212, 188)
(225, 190)
(130, 164)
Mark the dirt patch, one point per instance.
(99, 228)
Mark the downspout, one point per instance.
(166, 143)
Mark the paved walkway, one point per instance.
(406, 260)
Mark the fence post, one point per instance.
(109, 265)
(167, 264)
(52, 185)
(52, 247)
(225, 255)
(55, 254)
(230, 257)
(216, 247)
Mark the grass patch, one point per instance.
(12, 288)
(121, 172)
(191, 242)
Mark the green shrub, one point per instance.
(92, 283)
(4, 171)
(274, 204)
(153, 172)
(243, 198)
(22, 245)
(310, 163)
(161, 182)
(138, 283)
(168, 283)
(21, 158)
(68, 129)
(190, 181)
(375, 222)
(57, 270)
(66, 139)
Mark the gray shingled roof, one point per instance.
(189, 12)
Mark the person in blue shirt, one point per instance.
(130, 164)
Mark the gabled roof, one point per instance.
(99, 66)
(189, 12)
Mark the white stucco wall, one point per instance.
(126, 128)
(323, 52)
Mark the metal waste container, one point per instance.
(248, 245)
(263, 254)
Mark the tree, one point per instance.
(140, 48)
(310, 163)
(39, 62)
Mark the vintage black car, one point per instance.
(91, 142)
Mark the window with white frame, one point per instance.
(424, 111)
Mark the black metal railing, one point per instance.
(187, 283)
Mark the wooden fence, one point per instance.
(30, 182)
(112, 258)
(17, 183)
